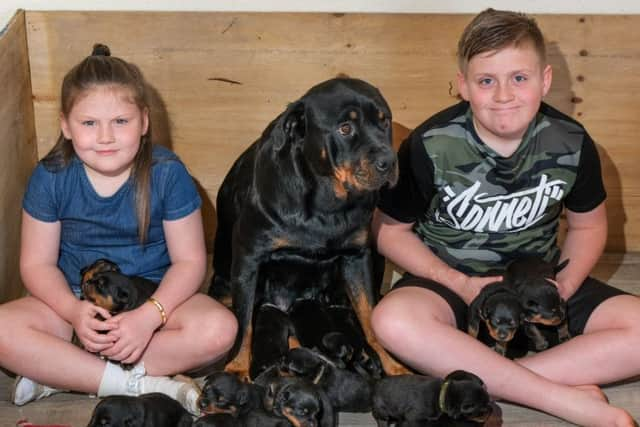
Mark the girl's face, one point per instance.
(105, 126)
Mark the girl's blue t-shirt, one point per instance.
(94, 227)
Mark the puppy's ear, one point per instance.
(290, 126)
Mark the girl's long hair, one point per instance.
(102, 69)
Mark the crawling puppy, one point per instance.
(498, 307)
(105, 286)
(224, 393)
(347, 391)
(534, 281)
(146, 410)
(418, 400)
(301, 402)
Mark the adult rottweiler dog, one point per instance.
(300, 200)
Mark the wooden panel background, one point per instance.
(222, 77)
(17, 149)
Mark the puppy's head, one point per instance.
(99, 266)
(337, 346)
(542, 303)
(463, 396)
(223, 393)
(110, 290)
(118, 411)
(300, 362)
(343, 128)
(298, 401)
(502, 313)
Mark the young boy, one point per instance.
(484, 182)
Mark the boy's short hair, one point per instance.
(496, 29)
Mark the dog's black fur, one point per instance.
(298, 203)
(273, 332)
(225, 393)
(104, 285)
(146, 410)
(347, 390)
(416, 399)
(498, 308)
(300, 401)
(539, 297)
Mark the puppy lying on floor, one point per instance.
(146, 410)
(420, 400)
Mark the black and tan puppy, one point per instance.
(302, 198)
(225, 393)
(146, 410)
(347, 391)
(498, 308)
(533, 280)
(420, 400)
(105, 286)
(217, 420)
(299, 401)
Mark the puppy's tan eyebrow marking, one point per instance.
(353, 115)
(380, 115)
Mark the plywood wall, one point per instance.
(17, 149)
(222, 77)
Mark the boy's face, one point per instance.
(504, 88)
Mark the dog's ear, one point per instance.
(290, 126)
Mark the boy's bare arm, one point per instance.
(396, 241)
(583, 245)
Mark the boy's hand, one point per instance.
(473, 286)
(132, 332)
(88, 327)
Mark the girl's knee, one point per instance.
(220, 331)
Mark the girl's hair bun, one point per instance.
(100, 50)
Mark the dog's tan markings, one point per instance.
(344, 178)
(240, 364)
(363, 308)
(554, 321)
(361, 237)
(95, 298)
(289, 414)
(280, 242)
(494, 334)
(353, 115)
(380, 115)
(213, 409)
(323, 154)
(293, 342)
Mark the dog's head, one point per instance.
(118, 411)
(463, 396)
(342, 128)
(542, 303)
(110, 290)
(502, 313)
(223, 393)
(296, 400)
(99, 266)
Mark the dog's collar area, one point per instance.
(443, 395)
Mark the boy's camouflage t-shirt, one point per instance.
(478, 210)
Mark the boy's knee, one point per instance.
(387, 318)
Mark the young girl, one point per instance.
(104, 191)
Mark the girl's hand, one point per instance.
(474, 285)
(88, 328)
(132, 332)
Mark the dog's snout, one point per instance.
(383, 165)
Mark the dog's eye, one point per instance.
(345, 129)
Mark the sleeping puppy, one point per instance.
(497, 306)
(146, 410)
(420, 400)
(347, 391)
(299, 401)
(534, 281)
(105, 286)
(224, 393)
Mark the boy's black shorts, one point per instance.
(579, 307)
